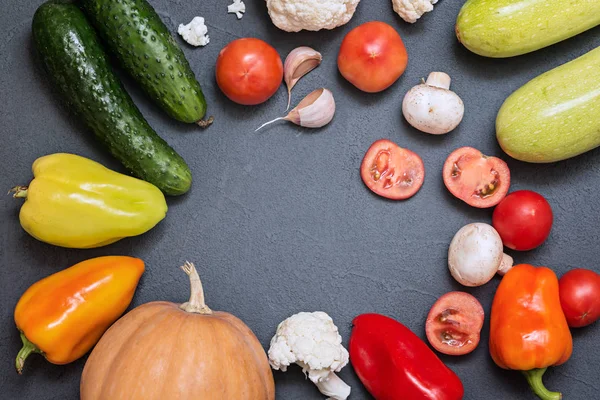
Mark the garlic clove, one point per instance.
(298, 63)
(314, 111)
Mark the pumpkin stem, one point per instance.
(196, 303)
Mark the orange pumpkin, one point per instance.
(162, 350)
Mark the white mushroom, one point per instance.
(432, 107)
(476, 255)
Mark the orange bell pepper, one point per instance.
(64, 315)
(528, 330)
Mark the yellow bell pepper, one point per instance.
(76, 202)
(64, 315)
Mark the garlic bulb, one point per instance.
(314, 111)
(298, 63)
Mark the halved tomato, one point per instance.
(391, 171)
(478, 180)
(454, 323)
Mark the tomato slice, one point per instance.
(391, 171)
(478, 180)
(454, 323)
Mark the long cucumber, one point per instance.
(135, 34)
(79, 68)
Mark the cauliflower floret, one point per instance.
(195, 33)
(412, 10)
(311, 15)
(312, 341)
(238, 8)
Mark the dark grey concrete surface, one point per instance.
(279, 222)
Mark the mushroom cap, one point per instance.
(432, 109)
(475, 254)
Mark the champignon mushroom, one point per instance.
(432, 107)
(476, 255)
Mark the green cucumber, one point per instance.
(79, 69)
(554, 116)
(145, 48)
(506, 28)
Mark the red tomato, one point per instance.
(454, 323)
(391, 171)
(523, 220)
(478, 180)
(249, 71)
(372, 56)
(579, 289)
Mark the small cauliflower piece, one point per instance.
(312, 341)
(412, 10)
(238, 8)
(195, 33)
(311, 15)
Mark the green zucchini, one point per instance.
(145, 48)
(72, 55)
(554, 116)
(506, 28)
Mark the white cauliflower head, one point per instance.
(412, 10)
(311, 15)
(312, 341)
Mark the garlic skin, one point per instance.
(314, 111)
(432, 107)
(298, 63)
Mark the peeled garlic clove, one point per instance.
(298, 63)
(314, 111)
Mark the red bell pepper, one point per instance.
(394, 364)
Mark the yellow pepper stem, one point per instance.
(20, 192)
(27, 349)
(534, 378)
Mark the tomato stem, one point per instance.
(534, 378)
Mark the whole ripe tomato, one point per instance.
(523, 220)
(579, 297)
(480, 181)
(249, 71)
(372, 56)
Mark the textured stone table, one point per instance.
(279, 221)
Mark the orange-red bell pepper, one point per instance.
(63, 315)
(528, 330)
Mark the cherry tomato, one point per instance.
(249, 71)
(372, 56)
(579, 289)
(391, 171)
(523, 220)
(478, 180)
(454, 323)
